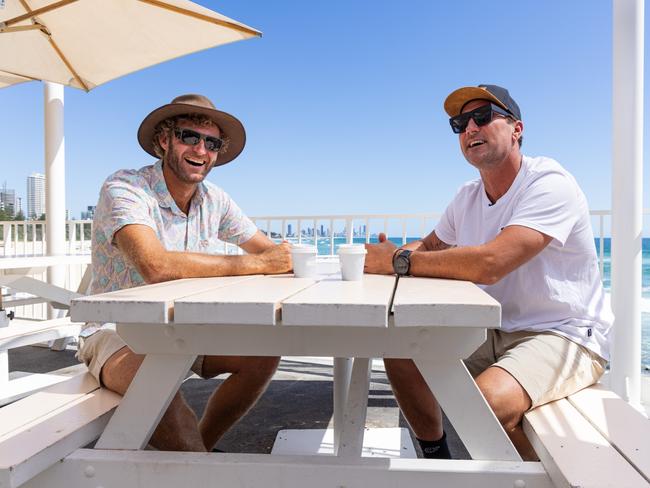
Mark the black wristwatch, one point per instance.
(402, 262)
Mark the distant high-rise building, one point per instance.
(8, 200)
(322, 230)
(289, 233)
(35, 195)
(19, 205)
(90, 214)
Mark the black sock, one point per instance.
(435, 449)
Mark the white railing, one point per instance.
(20, 238)
(27, 238)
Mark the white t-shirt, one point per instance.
(560, 289)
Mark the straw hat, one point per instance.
(229, 126)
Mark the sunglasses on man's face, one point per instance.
(190, 137)
(481, 116)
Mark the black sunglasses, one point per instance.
(190, 137)
(481, 116)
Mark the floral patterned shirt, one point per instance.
(141, 197)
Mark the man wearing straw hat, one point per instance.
(163, 222)
(522, 231)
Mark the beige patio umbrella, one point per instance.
(7, 79)
(84, 43)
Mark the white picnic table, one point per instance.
(435, 322)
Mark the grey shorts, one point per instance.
(97, 348)
(548, 366)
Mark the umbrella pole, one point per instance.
(54, 182)
(627, 197)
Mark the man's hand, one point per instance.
(379, 259)
(276, 259)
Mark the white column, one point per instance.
(627, 207)
(54, 180)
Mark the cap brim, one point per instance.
(229, 125)
(458, 98)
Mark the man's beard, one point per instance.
(173, 162)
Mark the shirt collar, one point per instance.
(159, 186)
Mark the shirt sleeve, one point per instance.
(549, 205)
(446, 229)
(234, 226)
(123, 202)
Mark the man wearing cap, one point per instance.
(522, 232)
(162, 222)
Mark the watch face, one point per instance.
(401, 265)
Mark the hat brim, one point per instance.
(458, 98)
(229, 126)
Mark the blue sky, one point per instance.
(342, 102)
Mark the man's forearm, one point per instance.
(465, 263)
(175, 265)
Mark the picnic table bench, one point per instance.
(41, 429)
(592, 438)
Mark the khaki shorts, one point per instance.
(548, 366)
(96, 349)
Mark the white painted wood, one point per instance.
(4, 371)
(145, 401)
(354, 416)
(573, 452)
(27, 384)
(256, 301)
(444, 303)
(19, 415)
(341, 375)
(56, 295)
(616, 420)
(390, 442)
(28, 451)
(348, 303)
(23, 333)
(27, 263)
(92, 468)
(469, 413)
(145, 304)
(443, 343)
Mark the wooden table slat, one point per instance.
(348, 303)
(257, 301)
(443, 303)
(144, 304)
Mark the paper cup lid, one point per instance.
(303, 249)
(352, 249)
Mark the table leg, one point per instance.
(351, 430)
(342, 375)
(467, 410)
(145, 402)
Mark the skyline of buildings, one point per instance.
(12, 204)
(35, 195)
(8, 200)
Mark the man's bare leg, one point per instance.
(178, 429)
(415, 400)
(249, 378)
(509, 401)
(501, 390)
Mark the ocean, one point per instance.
(324, 247)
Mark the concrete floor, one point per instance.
(299, 397)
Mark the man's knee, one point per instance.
(264, 365)
(247, 366)
(119, 369)
(506, 397)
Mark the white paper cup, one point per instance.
(304, 260)
(352, 258)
